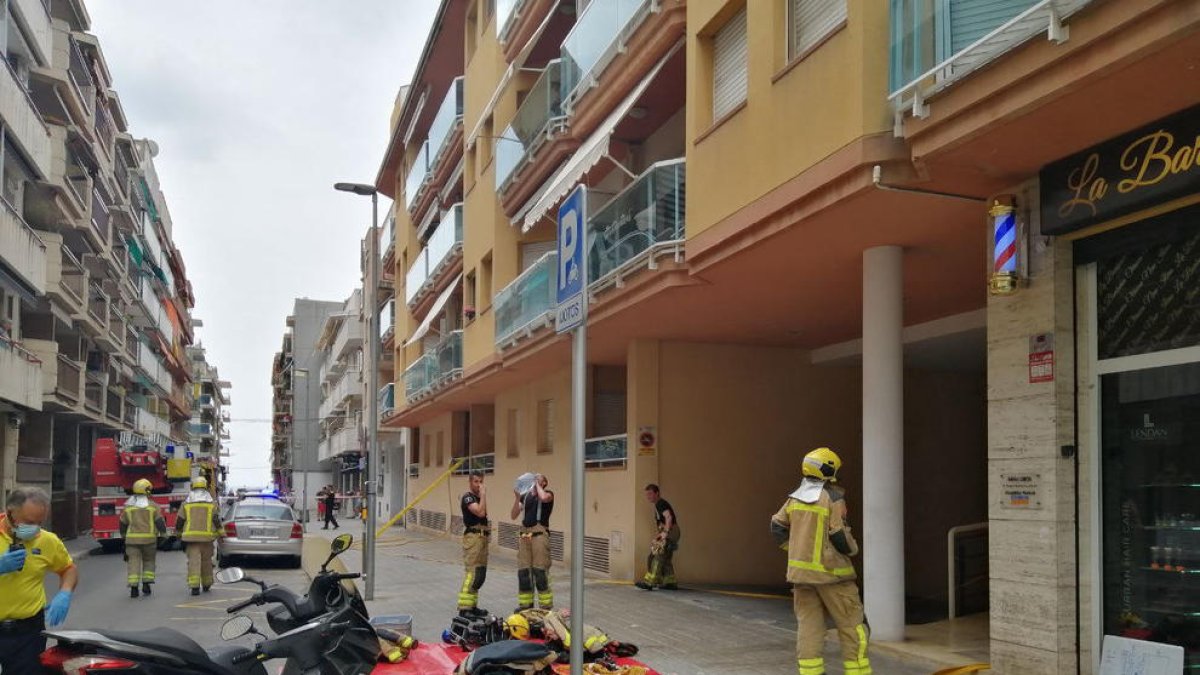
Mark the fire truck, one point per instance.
(119, 462)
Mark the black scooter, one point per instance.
(338, 641)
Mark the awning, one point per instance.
(591, 151)
(433, 312)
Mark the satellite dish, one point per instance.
(152, 146)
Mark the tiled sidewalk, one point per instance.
(685, 632)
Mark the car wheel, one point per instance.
(222, 561)
(295, 562)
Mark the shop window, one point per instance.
(810, 22)
(545, 422)
(730, 66)
(513, 433)
(1146, 299)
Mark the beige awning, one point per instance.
(434, 312)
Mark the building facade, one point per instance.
(94, 293)
(792, 225)
(296, 464)
(208, 438)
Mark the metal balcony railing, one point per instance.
(100, 218)
(649, 213)
(81, 76)
(594, 40)
(539, 118)
(606, 451)
(448, 118)
(527, 303)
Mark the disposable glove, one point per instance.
(12, 561)
(56, 613)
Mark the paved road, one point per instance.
(102, 599)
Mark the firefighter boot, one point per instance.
(145, 588)
(133, 591)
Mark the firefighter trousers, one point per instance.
(840, 601)
(660, 566)
(475, 560)
(200, 564)
(533, 568)
(139, 562)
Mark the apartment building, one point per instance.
(343, 438)
(793, 214)
(208, 438)
(391, 469)
(96, 299)
(296, 379)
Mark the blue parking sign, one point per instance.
(571, 275)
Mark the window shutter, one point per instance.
(533, 251)
(545, 426)
(608, 414)
(730, 61)
(812, 20)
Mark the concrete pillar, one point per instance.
(883, 441)
(641, 412)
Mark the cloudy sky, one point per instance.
(259, 107)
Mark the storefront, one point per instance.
(1130, 208)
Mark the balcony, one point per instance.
(205, 401)
(22, 249)
(597, 37)
(20, 375)
(387, 322)
(446, 124)
(606, 451)
(387, 399)
(485, 464)
(23, 121)
(436, 369)
(417, 177)
(96, 317)
(936, 43)
(527, 304)
(539, 118)
(348, 387)
(387, 243)
(66, 279)
(200, 430)
(507, 11)
(100, 219)
(62, 377)
(643, 220)
(441, 253)
(349, 336)
(154, 372)
(345, 440)
(151, 425)
(81, 76)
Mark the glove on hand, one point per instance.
(56, 613)
(12, 561)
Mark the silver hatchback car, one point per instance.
(259, 526)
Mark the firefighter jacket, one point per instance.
(818, 541)
(141, 522)
(198, 522)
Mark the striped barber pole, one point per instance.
(1004, 224)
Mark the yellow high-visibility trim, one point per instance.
(862, 645)
(806, 565)
(801, 506)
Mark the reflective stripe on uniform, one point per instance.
(467, 599)
(837, 571)
(199, 524)
(811, 666)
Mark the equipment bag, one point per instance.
(506, 657)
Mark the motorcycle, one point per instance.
(337, 640)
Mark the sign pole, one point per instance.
(571, 315)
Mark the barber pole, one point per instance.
(1004, 252)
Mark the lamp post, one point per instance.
(369, 300)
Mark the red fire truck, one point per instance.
(117, 463)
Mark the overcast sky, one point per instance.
(258, 108)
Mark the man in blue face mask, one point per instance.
(27, 553)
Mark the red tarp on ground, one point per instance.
(442, 659)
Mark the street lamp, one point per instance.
(370, 301)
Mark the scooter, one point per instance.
(339, 641)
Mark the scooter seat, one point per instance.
(161, 639)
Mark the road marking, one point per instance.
(201, 604)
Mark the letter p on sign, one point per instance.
(572, 271)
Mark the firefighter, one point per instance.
(533, 544)
(660, 568)
(811, 526)
(142, 524)
(199, 525)
(476, 531)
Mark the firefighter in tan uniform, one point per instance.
(199, 525)
(141, 525)
(533, 544)
(476, 531)
(811, 526)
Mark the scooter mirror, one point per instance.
(340, 543)
(237, 627)
(231, 575)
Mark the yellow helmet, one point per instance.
(517, 626)
(201, 483)
(822, 463)
(142, 486)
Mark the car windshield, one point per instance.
(262, 512)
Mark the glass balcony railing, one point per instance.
(506, 13)
(418, 376)
(418, 175)
(485, 464)
(528, 300)
(414, 279)
(435, 369)
(606, 451)
(448, 117)
(388, 241)
(592, 40)
(387, 398)
(539, 112)
(200, 429)
(650, 211)
(449, 357)
(446, 240)
(387, 320)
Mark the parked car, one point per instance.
(258, 527)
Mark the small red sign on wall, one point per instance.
(1041, 358)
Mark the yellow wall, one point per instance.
(833, 96)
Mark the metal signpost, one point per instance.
(571, 314)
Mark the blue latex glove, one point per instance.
(56, 613)
(12, 561)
